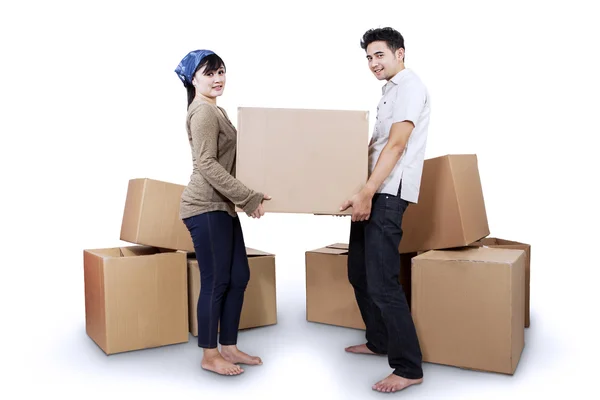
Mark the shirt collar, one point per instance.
(394, 81)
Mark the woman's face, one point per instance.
(210, 85)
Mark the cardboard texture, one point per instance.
(260, 305)
(151, 215)
(135, 298)
(308, 161)
(509, 244)
(450, 211)
(467, 306)
(329, 295)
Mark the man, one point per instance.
(396, 154)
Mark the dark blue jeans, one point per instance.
(373, 270)
(224, 275)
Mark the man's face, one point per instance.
(382, 61)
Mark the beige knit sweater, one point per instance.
(212, 185)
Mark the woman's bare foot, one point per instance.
(215, 362)
(395, 383)
(234, 355)
(360, 349)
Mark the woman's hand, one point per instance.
(259, 212)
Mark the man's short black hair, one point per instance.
(392, 37)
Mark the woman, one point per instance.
(208, 211)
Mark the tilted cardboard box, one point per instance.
(151, 215)
(450, 211)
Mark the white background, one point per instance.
(89, 99)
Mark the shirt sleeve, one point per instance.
(204, 126)
(409, 103)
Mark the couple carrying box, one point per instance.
(396, 156)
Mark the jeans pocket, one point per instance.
(394, 203)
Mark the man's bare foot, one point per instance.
(234, 355)
(214, 361)
(394, 383)
(360, 349)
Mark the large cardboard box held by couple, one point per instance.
(468, 307)
(330, 297)
(260, 299)
(307, 160)
(135, 297)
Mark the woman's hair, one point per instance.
(213, 62)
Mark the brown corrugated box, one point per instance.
(450, 211)
(151, 215)
(467, 305)
(330, 297)
(135, 298)
(509, 244)
(308, 161)
(405, 276)
(260, 298)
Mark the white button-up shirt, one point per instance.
(404, 98)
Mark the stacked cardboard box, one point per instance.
(478, 297)
(136, 297)
(451, 209)
(151, 215)
(510, 244)
(467, 306)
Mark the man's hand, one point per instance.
(391, 153)
(361, 205)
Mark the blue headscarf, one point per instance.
(187, 66)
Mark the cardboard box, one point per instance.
(405, 276)
(509, 244)
(308, 161)
(260, 302)
(450, 211)
(467, 306)
(151, 215)
(330, 297)
(135, 298)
